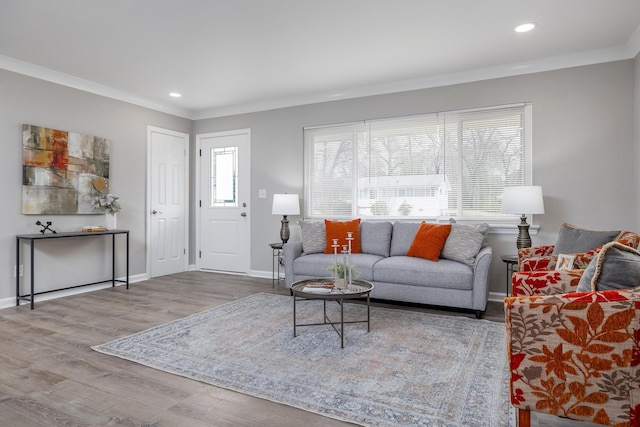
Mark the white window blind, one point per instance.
(433, 166)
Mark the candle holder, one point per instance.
(335, 247)
(342, 271)
(349, 273)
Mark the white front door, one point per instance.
(167, 201)
(223, 236)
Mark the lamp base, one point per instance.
(284, 229)
(524, 239)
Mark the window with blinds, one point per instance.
(433, 166)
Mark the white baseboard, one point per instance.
(11, 302)
(497, 296)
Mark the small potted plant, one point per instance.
(111, 206)
(341, 270)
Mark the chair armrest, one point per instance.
(538, 263)
(534, 252)
(576, 355)
(290, 251)
(545, 282)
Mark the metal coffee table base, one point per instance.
(339, 298)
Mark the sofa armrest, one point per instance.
(576, 355)
(290, 251)
(481, 269)
(545, 282)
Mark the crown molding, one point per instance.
(628, 51)
(470, 76)
(46, 74)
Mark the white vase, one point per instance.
(110, 221)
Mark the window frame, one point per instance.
(355, 127)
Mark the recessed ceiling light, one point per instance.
(175, 95)
(523, 28)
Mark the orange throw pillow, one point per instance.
(429, 241)
(338, 230)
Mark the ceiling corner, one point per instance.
(634, 42)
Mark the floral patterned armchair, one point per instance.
(536, 274)
(574, 355)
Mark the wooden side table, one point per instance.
(276, 249)
(511, 261)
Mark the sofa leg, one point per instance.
(524, 418)
(479, 314)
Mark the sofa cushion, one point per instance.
(338, 230)
(375, 237)
(617, 266)
(429, 241)
(402, 237)
(423, 272)
(317, 265)
(573, 240)
(314, 239)
(464, 242)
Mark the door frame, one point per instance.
(199, 137)
(187, 199)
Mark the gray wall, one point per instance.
(32, 101)
(584, 153)
(637, 131)
(586, 156)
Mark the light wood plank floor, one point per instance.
(49, 376)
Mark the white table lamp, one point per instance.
(523, 200)
(285, 204)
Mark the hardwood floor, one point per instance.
(49, 376)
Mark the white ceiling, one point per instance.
(234, 56)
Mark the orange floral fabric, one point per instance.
(576, 355)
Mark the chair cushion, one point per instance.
(338, 230)
(617, 266)
(429, 241)
(464, 242)
(573, 240)
(314, 239)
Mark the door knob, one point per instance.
(155, 212)
(243, 214)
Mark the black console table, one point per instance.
(32, 239)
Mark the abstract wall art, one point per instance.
(62, 172)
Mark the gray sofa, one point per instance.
(459, 279)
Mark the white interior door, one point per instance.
(167, 201)
(223, 237)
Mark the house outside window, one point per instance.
(433, 166)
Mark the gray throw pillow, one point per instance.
(375, 237)
(573, 240)
(402, 237)
(314, 237)
(617, 266)
(464, 242)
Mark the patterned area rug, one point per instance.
(412, 369)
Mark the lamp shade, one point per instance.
(525, 199)
(285, 204)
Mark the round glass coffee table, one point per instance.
(320, 289)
